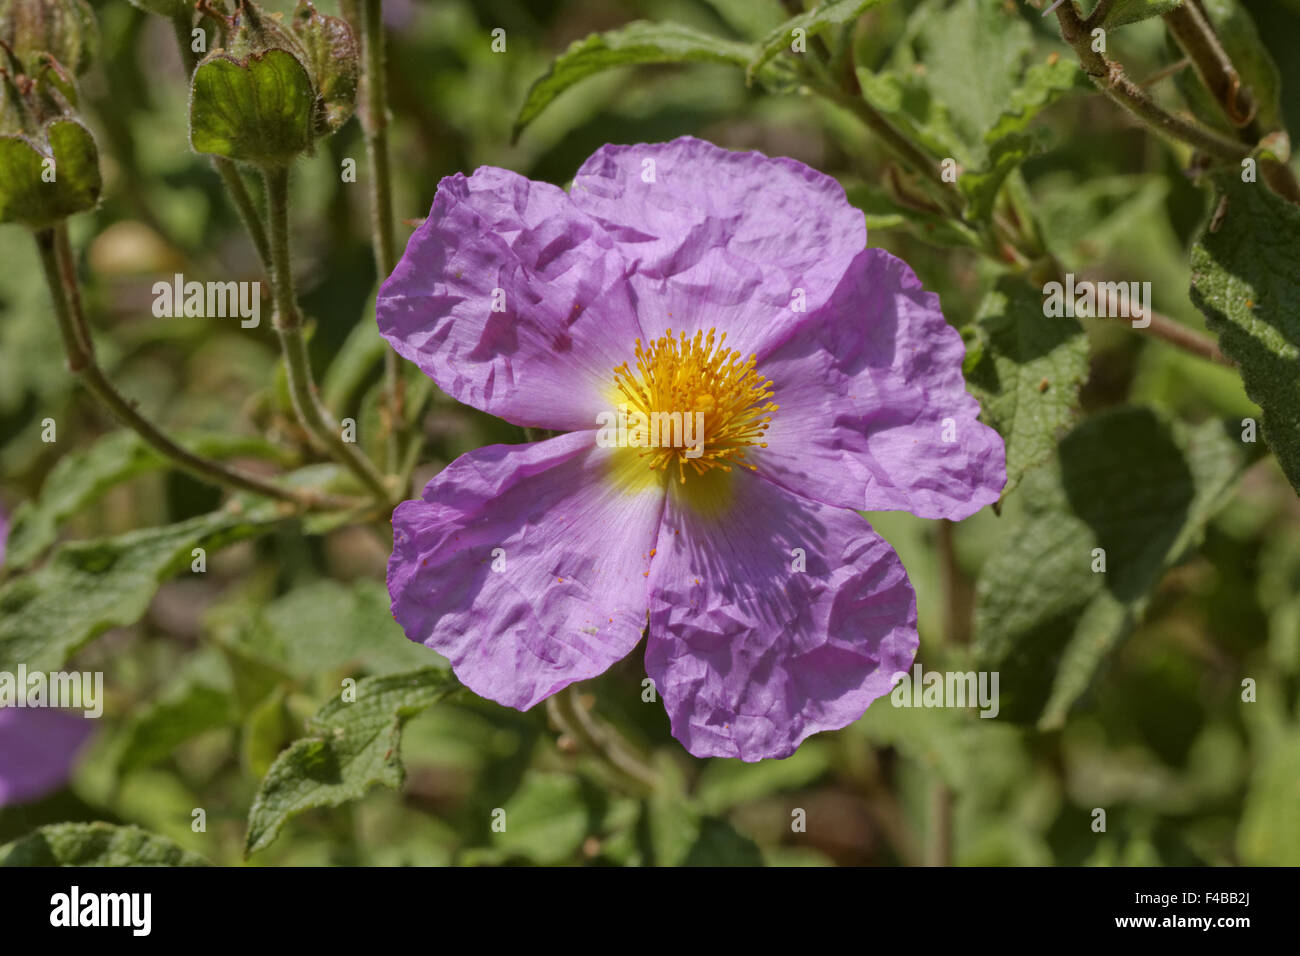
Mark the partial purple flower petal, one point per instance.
(720, 238)
(571, 548)
(874, 413)
(38, 748)
(750, 655)
(564, 315)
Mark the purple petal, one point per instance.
(721, 238)
(869, 388)
(38, 748)
(547, 360)
(752, 656)
(571, 596)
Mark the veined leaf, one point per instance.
(95, 844)
(1126, 488)
(640, 42)
(1043, 85)
(193, 708)
(1025, 369)
(353, 747)
(90, 586)
(81, 477)
(981, 187)
(827, 14)
(1246, 280)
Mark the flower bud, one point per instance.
(49, 164)
(330, 52)
(65, 29)
(274, 90)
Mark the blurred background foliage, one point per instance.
(224, 669)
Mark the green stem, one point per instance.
(939, 852)
(375, 122)
(288, 324)
(245, 206)
(909, 153)
(60, 276)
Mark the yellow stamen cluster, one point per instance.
(690, 375)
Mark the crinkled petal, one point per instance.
(874, 413)
(752, 656)
(719, 238)
(525, 566)
(38, 749)
(564, 318)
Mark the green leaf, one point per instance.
(909, 102)
(883, 212)
(81, 477)
(259, 110)
(95, 844)
(724, 784)
(973, 53)
(546, 819)
(192, 709)
(353, 747)
(1123, 481)
(827, 14)
(264, 733)
(348, 623)
(27, 197)
(88, 587)
(1026, 370)
(361, 351)
(1269, 832)
(680, 835)
(981, 187)
(1043, 84)
(1131, 11)
(1245, 280)
(752, 19)
(639, 42)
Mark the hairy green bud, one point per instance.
(274, 89)
(65, 29)
(49, 164)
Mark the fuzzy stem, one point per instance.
(1178, 335)
(375, 123)
(245, 206)
(1110, 78)
(600, 739)
(1197, 38)
(1099, 13)
(939, 851)
(1194, 33)
(908, 152)
(288, 324)
(60, 276)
